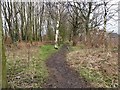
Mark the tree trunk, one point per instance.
(4, 70)
(0, 48)
(36, 31)
(57, 28)
(74, 36)
(105, 22)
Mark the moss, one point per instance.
(0, 51)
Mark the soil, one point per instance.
(61, 75)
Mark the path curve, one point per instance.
(61, 76)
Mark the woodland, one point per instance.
(60, 44)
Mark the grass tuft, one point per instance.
(24, 73)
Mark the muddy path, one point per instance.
(61, 76)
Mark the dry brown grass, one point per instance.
(98, 67)
(25, 68)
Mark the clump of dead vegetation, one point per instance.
(95, 65)
(26, 65)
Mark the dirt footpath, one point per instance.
(61, 76)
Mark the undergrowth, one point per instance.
(28, 69)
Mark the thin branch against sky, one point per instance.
(112, 24)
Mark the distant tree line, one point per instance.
(36, 21)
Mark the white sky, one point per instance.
(114, 23)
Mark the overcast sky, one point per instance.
(114, 23)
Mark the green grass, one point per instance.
(33, 72)
(78, 47)
(91, 75)
(95, 77)
(44, 52)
